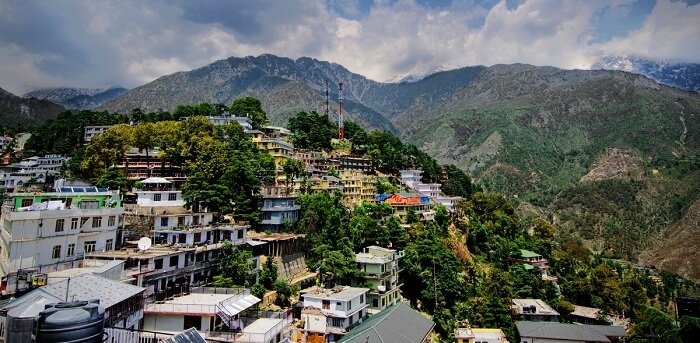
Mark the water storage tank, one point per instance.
(20, 317)
(78, 321)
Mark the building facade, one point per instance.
(381, 268)
(278, 208)
(48, 228)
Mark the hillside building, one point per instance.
(278, 208)
(49, 228)
(534, 310)
(403, 203)
(398, 323)
(94, 130)
(331, 313)
(381, 268)
(544, 332)
(477, 335)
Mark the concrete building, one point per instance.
(140, 164)
(355, 163)
(278, 208)
(476, 335)
(158, 192)
(49, 228)
(222, 314)
(403, 203)
(94, 130)
(534, 310)
(351, 180)
(536, 263)
(544, 332)
(381, 267)
(32, 170)
(342, 308)
(275, 141)
(245, 122)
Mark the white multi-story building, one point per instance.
(342, 307)
(381, 268)
(158, 192)
(245, 122)
(278, 208)
(40, 229)
(32, 169)
(94, 130)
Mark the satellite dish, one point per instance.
(144, 243)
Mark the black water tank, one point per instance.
(78, 322)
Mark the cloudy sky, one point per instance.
(99, 43)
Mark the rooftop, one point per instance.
(569, 332)
(336, 293)
(528, 254)
(88, 287)
(586, 312)
(278, 236)
(396, 324)
(154, 251)
(540, 307)
(262, 325)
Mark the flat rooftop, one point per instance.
(364, 257)
(155, 251)
(541, 307)
(200, 299)
(262, 325)
(279, 236)
(336, 293)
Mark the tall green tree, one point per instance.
(236, 263)
(251, 108)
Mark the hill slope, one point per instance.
(682, 75)
(609, 156)
(15, 110)
(77, 98)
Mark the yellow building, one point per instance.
(357, 187)
(315, 184)
(277, 146)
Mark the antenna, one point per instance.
(144, 243)
(328, 107)
(341, 128)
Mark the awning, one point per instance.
(155, 180)
(254, 243)
(241, 304)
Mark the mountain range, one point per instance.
(15, 110)
(682, 75)
(608, 156)
(77, 98)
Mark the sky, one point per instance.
(102, 43)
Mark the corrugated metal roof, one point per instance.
(88, 287)
(396, 324)
(190, 335)
(569, 332)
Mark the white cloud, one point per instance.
(133, 42)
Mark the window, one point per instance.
(172, 196)
(92, 204)
(349, 305)
(174, 260)
(156, 197)
(163, 221)
(89, 246)
(158, 263)
(326, 305)
(375, 302)
(362, 298)
(240, 234)
(337, 322)
(111, 220)
(74, 224)
(83, 220)
(96, 221)
(110, 244)
(180, 220)
(56, 252)
(193, 322)
(59, 225)
(195, 220)
(27, 202)
(71, 250)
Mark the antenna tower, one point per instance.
(341, 128)
(327, 101)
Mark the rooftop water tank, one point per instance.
(78, 322)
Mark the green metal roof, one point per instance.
(527, 253)
(395, 324)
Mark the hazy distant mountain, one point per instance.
(682, 75)
(77, 98)
(413, 77)
(15, 110)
